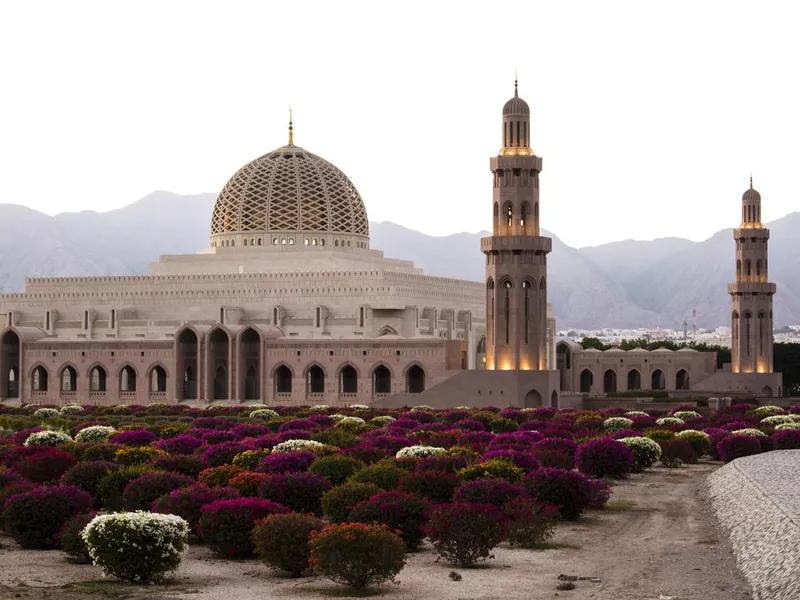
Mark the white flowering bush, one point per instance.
(646, 452)
(319, 408)
(617, 423)
(359, 406)
(297, 446)
(792, 425)
(32, 407)
(462, 407)
(350, 422)
(420, 451)
(699, 440)
(157, 405)
(691, 433)
(95, 433)
(381, 420)
(264, 414)
(47, 438)
(337, 416)
(421, 408)
(668, 421)
(780, 419)
(71, 409)
(768, 409)
(750, 431)
(686, 414)
(46, 413)
(139, 547)
(636, 413)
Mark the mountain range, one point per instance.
(621, 284)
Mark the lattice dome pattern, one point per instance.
(289, 189)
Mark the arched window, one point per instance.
(761, 334)
(609, 381)
(526, 285)
(507, 307)
(348, 380)
(747, 268)
(291, 241)
(758, 269)
(523, 216)
(657, 380)
(587, 379)
(381, 380)
(747, 333)
(40, 379)
(738, 270)
(69, 380)
(127, 379)
(97, 379)
(315, 380)
(283, 380)
(509, 217)
(415, 380)
(634, 380)
(158, 380)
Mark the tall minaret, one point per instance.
(516, 255)
(751, 295)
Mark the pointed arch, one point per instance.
(157, 376)
(609, 381)
(657, 380)
(682, 380)
(40, 378)
(386, 330)
(218, 345)
(381, 379)
(348, 376)
(282, 376)
(68, 379)
(249, 364)
(187, 354)
(586, 381)
(98, 379)
(414, 376)
(10, 344)
(126, 376)
(314, 377)
(634, 380)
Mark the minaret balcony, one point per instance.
(752, 287)
(516, 162)
(525, 243)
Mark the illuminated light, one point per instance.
(483, 360)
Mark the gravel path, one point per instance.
(757, 498)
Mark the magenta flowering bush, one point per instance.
(449, 463)
(599, 493)
(227, 525)
(179, 463)
(87, 475)
(34, 518)
(526, 462)
(402, 512)
(477, 440)
(495, 492)
(604, 457)
(250, 430)
(45, 466)
(287, 462)
(786, 439)
(222, 454)
(141, 492)
(568, 491)
(133, 438)
(736, 445)
(464, 532)
(182, 444)
(435, 486)
(188, 502)
(212, 423)
(469, 425)
(301, 492)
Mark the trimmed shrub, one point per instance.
(134, 438)
(87, 476)
(604, 457)
(141, 492)
(301, 492)
(786, 439)
(336, 468)
(248, 482)
(283, 541)
(219, 476)
(95, 434)
(249, 459)
(523, 460)
(699, 441)
(47, 437)
(264, 414)
(464, 533)
(420, 451)
(384, 476)
(191, 466)
(227, 525)
(339, 501)
(567, 491)
(659, 435)
(297, 445)
(530, 523)
(223, 454)
(72, 543)
(614, 423)
(182, 444)
(735, 446)
(357, 554)
(110, 487)
(46, 466)
(34, 519)
(494, 468)
(138, 547)
(646, 452)
(449, 463)
(435, 486)
(287, 462)
(495, 492)
(599, 492)
(136, 455)
(187, 502)
(399, 511)
(45, 413)
(675, 452)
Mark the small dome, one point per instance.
(751, 195)
(289, 190)
(516, 106)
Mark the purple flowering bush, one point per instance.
(141, 492)
(227, 525)
(301, 492)
(736, 445)
(464, 532)
(604, 457)
(495, 492)
(568, 491)
(399, 511)
(188, 502)
(133, 438)
(34, 519)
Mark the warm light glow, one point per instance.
(483, 360)
(514, 151)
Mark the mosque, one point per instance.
(291, 305)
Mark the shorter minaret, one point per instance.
(291, 129)
(751, 295)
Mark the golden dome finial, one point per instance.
(291, 132)
(516, 95)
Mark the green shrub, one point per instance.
(111, 486)
(336, 468)
(384, 476)
(338, 502)
(357, 554)
(282, 541)
(401, 512)
(72, 543)
(530, 523)
(659, 435)
(492, 468)
(138, 547)
(464, 532)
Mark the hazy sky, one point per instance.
(649, 116)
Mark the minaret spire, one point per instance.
(516, 93)
(291, 132)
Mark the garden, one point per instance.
(353, 499)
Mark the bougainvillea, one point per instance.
(187, 502)
(735, 446)
(402, 512)
(34, 518)
(136, 437)
(46, 466)
(604, 457)
(227, 525)
(435, 486)
(141, 492)
(301, 492)
(495, 492)
(283, 541)
(568, 491)
(464, 532)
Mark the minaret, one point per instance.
(751, 295)
(516, 255)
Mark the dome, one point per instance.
(289, 191)
(751, 195)
(516, 106)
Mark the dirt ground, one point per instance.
(657, 538)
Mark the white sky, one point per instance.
(649, 116)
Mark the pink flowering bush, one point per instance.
(34, 518)
(188, 502)
(140, 493)
(604, 457)
(227, 525)
(301, 492)
(495, 492)
(736, 445)
(401, 512)
(464, 532)
(435, 486)
(133, 438)
(45, 466)
(566, 490)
